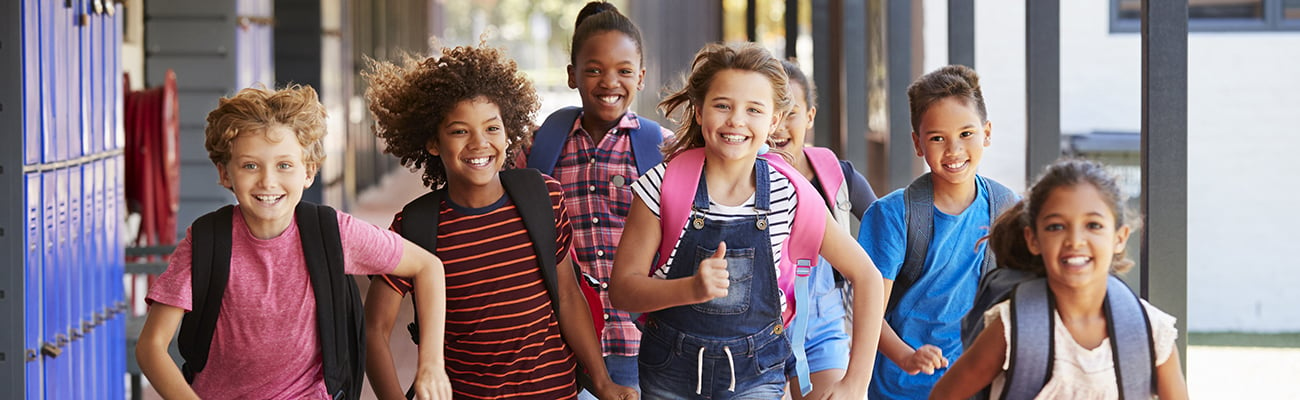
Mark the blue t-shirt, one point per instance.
(931, 310)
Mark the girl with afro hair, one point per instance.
(459, 116)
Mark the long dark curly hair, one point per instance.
(410, 98)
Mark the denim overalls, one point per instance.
(732, 347)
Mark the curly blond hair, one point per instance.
(257, 110)
(410, 99)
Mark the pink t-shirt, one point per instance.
(266, 344)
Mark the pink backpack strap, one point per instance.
(809, 225)
(677, 193)
(827, 167)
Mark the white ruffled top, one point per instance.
(1079, 373)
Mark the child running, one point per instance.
(717, 300)
(926, 238)
(596, 152)
(516, 323)
(848, 194)
(267, 146)
(1072, 229)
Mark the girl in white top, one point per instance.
(1070, 227)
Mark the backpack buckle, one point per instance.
(803, 267)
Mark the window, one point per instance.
(1217, 15)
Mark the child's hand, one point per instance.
(711, 277)
(431, 383)
(843, 389)
(925, 359)
(614, 391)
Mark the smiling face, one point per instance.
(792, 134)
(737, 114)
(267, 173)
(471, 142)
(607, 73)
(1077, 236)
(952, 139)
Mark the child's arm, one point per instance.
(1170, 379)
(578, 332)
(925, 359)
(631, 287)
(977, 367)
(431, 304)
(382, 303)
(868, 308)
(151, 352)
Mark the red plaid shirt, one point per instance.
(597, 182)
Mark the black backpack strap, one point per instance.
(919, 222)
(1031, 344)
(340, 320)
(1131, 341)
(1000, 199)
(994, 287)
(210, 272)
(527, 190)
(420, 226)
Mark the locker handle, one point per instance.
(32, 355)
(50, 350)
(87, 326)
(75, 333)
(61, 340)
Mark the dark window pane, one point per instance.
(1212, 9)
(1291, 9)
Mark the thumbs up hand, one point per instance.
(711, 277)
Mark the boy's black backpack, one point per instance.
(919, 200)
(1032, 349)
(527, 189)
(339, 315)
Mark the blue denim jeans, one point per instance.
(622, 369)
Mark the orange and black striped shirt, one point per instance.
(503, 340)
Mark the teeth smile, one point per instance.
(478, 162)
(955, 165)
(610, 99)
(780, 142)
(268, 198)
(733, 138)
(1077, 260)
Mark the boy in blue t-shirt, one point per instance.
(922, 330)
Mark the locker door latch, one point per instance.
(49, 350)
(32, 355)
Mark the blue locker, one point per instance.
(31, 44)
(114, 190)
(54, 325)
(59, 104)
(117, 134)
(45, 15)
(103, 73)
(74, 264)
(32, 275)
(100, 270)
(83, 73)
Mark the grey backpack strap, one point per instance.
(1000, 199)
(919, 202)
(1129, 330)
(1031, 344)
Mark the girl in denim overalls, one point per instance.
(718, 307)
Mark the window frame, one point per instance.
(1273, 21)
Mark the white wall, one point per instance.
(1243, 96)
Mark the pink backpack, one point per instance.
(798, 257)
